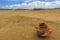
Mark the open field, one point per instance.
(20, 24)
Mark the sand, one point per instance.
(20, 24)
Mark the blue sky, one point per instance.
(9, 2)
(6, 2)
(15, 3)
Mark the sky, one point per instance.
(29, 4)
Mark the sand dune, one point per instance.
(20, 24)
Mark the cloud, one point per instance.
(56, 4)
(35, 4)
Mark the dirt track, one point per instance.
(20, 24)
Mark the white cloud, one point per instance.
(35, 4)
